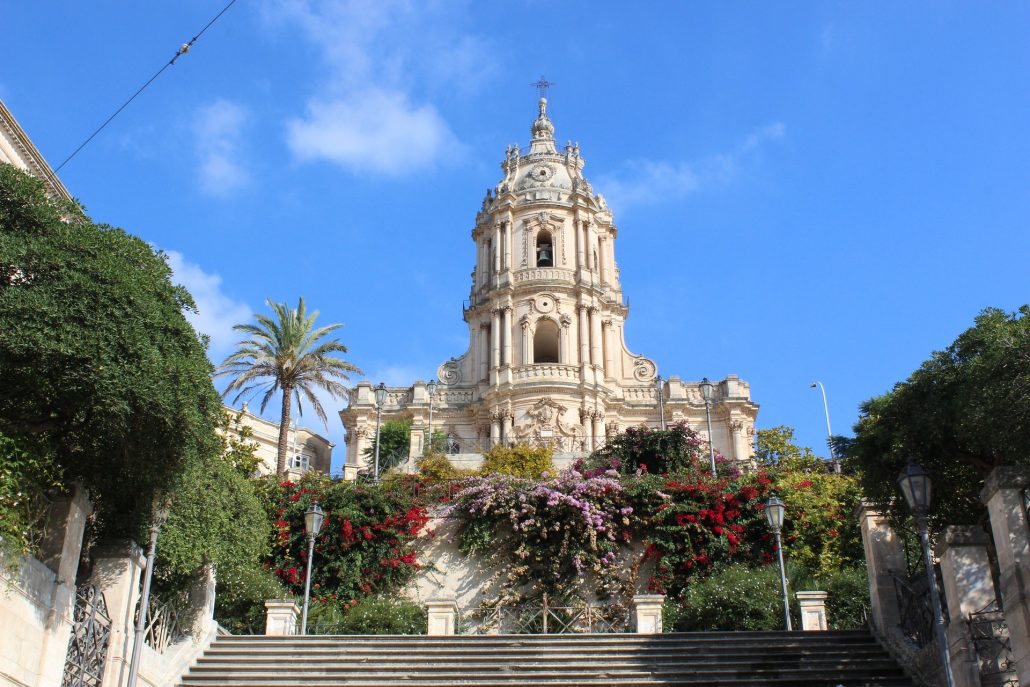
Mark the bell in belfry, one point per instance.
(543, 256)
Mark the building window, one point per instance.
(300, 461)
(544, 250)
(545, 342)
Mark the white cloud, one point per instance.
(643, 182)
(217, 132)
(377, 130)
(216, 312)
(401, 46)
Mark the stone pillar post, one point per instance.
(648, 612)
(968, 588)
(60, 551)
(281, 617)
(116, 571)
(443, 615)
(1003, 494)
(884, 557)
(584, 339)
(813, 611)
(595, 337)
(507, 335)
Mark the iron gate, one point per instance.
(91, 633)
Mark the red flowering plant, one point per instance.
(365, 545)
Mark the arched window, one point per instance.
(545, 342)
(544, 250)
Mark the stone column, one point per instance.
(498, 249)
(495, 428)
(740, 442)
(281, 617)
(577, 230)
(484, 351)
(1003, 494)
(507, 335)
(813, 611)
(968, 588)
(585, 262)
(648, 613)
(584, 339)
(884, 558)
(610, 245)
(525, 345)
(595, 337)
(602, 260)
(506, 233)
(609, 348)
(598, 416)
(116, 571)
(509, 427)
(442, 617)
(495, 339)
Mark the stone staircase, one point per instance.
(810, 659)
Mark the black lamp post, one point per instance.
(380, 400)
(915, 484)
(774, 510)
(431, 388)
(161, 506)
(660, 390)
(707, 388)
(313, 517)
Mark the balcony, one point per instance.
(546, 372)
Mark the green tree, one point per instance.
(775, 447)
(964, 412)
(103, 377)
(286, 353)
(394, 445)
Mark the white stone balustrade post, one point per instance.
(443, 614)
(281, 617)
(884, 558)
(813, 611)
(1003, 494)
(968, 588)
(648, 611)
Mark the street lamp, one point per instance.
(380, 400)
(660, 390)
(431, 388)
(707, 388)
(313, 517)
(774, 509)
(162, 504)
(829, 432)
(916, 486)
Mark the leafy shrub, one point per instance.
(25, 476)
(735, 597)
(520, 460)
(435, 467)
(847, 597)
(242, 592)
(652, 451)
(371, 616)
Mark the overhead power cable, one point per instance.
(183, 49)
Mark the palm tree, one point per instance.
(283, 354)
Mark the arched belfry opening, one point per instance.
(545, 342)
(544, 250)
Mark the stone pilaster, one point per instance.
(117, 568)
(884, 558)
(647, 611)
(1003, 495)
(443, 615)
(281, 617)
(813, 611)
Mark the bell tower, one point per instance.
(547, 360)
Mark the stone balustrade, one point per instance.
(544, 274)
(546, 371)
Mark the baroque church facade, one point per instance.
(547, 361)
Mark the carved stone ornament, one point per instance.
(644, 370)
(737, 426)
(450, 372)
(565, 320)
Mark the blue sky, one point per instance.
(804, 191)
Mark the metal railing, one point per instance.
(91, 634)
(543, 617)
(914, 610)
(165, 622)
(989, 634)
(560, 444)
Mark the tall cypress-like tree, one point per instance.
(285, 353)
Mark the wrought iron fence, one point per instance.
(544, 617)
(989, 633)
(455, 445)
(165, 621)
(91, 634)
(916, 614)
